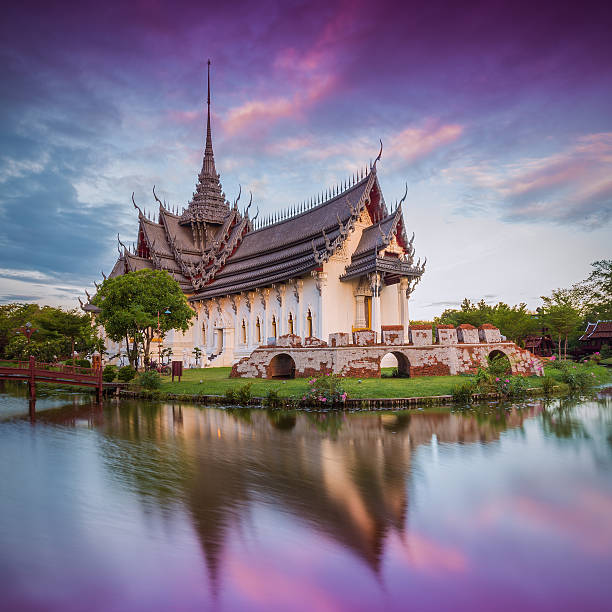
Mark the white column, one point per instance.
(375, 283)
(403, 300)
(360, 315)
(299, 323)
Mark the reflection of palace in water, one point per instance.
(347, 476)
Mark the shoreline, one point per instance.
(373, 404)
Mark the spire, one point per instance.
(208, 204)
(208, 167)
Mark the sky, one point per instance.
(497, 115)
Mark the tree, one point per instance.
(562, 314)
(130, 304)
(597, 291)
(514, 322)
(12, 317)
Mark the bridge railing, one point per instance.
(19, 364)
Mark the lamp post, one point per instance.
(27, 330)
(167, 311)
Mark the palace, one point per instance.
(338, 263)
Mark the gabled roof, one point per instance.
(294, 246)
(599, 330)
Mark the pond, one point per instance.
(144, 506)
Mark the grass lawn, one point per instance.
(215, 381)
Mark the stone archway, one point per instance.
(498, 355)
(398, 362)
(281, 366)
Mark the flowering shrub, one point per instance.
(512, 386)
(325, 390)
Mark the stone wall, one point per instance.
(449, 356)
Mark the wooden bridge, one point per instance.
(34, 372)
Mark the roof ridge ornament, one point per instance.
(158, 200)
(373, 166)
(136, 207)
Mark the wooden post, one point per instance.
(99, 387)
(32, 381)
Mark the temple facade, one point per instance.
(339, 263)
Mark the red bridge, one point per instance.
(51, 373)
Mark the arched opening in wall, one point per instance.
(499, 363)
(309, 324)
(273, 326)
(258, 330)
(204, 334)
(394, 365)
(290, 323)
(282, 366)
(244, 332)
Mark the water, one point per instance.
(139, 506)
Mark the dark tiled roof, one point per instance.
(601, 329)
(284, 250)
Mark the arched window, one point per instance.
(274, 326)
(244, 332)
(258, 328)
(204, 333)
(290, 323)
(309, 324)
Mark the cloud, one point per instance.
(571, 186)
(415, 143)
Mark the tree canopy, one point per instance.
(514, 322)
(57, 332)
(130, 305)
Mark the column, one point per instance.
(403, 288)
(360, 315)
(299, 323)
(375, 284)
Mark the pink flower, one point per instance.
(553, 358)
(304, 398)
(323, 399)
(343, 396)
(507, 380)
(497, 379)
(597, 352)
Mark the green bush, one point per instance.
(577, 377)
(149, 380)
(126, 373)
(548, 385)
(606, 351)
(110, 373)
(272, 399)
(79, 363)
(462, 393)
(241, 395)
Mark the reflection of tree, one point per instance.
(560, 420)
(282, 419)
(327, 422)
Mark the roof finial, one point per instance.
(378, 156)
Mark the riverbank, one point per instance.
(213, 385)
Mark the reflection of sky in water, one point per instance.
(147, 507)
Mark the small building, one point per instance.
(543, 346)
(595, 336)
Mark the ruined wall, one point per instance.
(362, 359)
